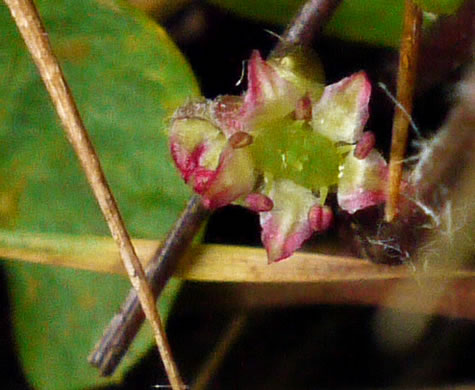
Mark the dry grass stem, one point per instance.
(209, 262)
(28, 22)
(408, 54)
(308, 277)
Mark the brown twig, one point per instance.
(28, 22)
(124, 326)
(307, 25)
(405, 90)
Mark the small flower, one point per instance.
(280, 149)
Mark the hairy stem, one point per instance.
(28, 22)
(432, 208)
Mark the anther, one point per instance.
(240, 140)
(259, 203)
(303, 109)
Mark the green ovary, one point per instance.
(289, 149)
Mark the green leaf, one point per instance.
(270, 11)
(377, 22)
(445, 7)
(127, 77)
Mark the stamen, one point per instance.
(240, 140)
(259, 203)
(303, 109)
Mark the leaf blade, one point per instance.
(127, 77)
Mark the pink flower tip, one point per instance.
(259, 203)
(320, 218)
(365, 145)
(303, 109)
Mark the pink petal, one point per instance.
(194, 137)
(267, 91)
(263, 81)
(206, 160)
(192, 150)
(233, 179)
(362, 183)
(342, 111)
(286, 226)
(365, 145)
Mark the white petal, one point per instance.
(342, 112)
(286, 226)
(362, 182)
